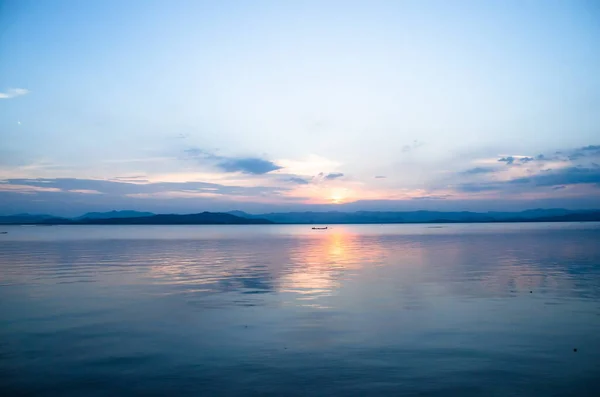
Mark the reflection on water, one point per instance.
(285, 310)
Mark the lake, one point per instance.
(275, 310)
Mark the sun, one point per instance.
(338, 196)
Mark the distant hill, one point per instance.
(582, 217)
(535, 213)
(114, 214)
(204, 218)
(333, 217)
(25, 219)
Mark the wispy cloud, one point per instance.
(245, 165)
(565, 176)
(13, 93)
(334, 175)
(133, 178)
(85, 191)
(508, 160)
(556, 179)
(523, 174)
(432, 197)
(248, 165)
(12, 186)
(479, 170)
(590, 150)
(477, 187)
(114, 188)
(565, 156)
(299, 180)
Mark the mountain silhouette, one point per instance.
(115, 214)
(358, 217)
(204, 218)
(332, 217)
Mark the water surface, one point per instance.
(435, 310)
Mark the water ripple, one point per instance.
(257, 310)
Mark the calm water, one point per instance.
(285, 310)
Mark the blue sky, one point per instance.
(184, 106)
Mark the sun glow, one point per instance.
(338, 196)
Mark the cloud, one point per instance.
(546, 178)
(334, 175)
(561, 155)
(557, 170)
(134, 178)
(6, 186)
(592, 148)
(432, 197)
(478, 170)
(477, 187)
(246, 165)
(116, 188)
(507, 160)
(521, 160)
(298, 180)
(564, 176)
(585, 151)
(380, 177)
(137, 177)
(202, 154)
(85, 191)
(13, 93)
(176, 194)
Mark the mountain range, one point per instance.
(114, 214)
(128, 217)
(135, 218)
(403, 217)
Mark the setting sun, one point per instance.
(337, 199)
(338, 196)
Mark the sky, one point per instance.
(190, 106)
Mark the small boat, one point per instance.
(320, 228)
(3, 232)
